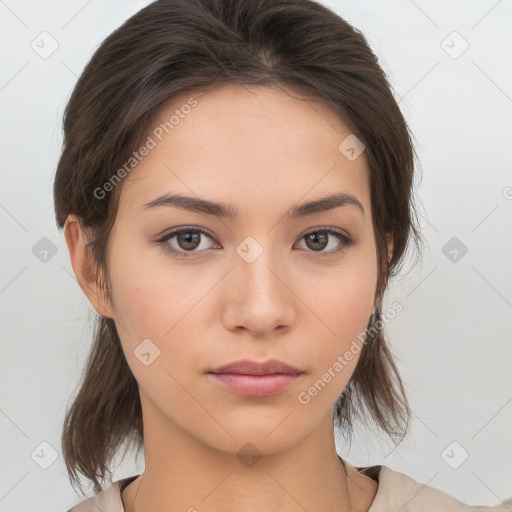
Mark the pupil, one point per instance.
(186, 238)
(315, 237)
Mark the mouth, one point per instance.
(254, 385)
(248, 367)
(253, 379)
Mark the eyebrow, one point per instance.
(227, 211)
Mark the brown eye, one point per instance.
(318, 240)
(187, 241)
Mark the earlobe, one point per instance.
(81, 258)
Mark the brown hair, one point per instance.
(172, 47)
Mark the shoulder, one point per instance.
(398, 491)
(108, 500)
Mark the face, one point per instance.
(193, 291)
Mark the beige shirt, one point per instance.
(396, 492)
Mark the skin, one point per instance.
(262, 151)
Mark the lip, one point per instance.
(248, 367)
(253, 379)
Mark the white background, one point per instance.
(453, 338)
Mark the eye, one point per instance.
(189, 241)
(318, 240)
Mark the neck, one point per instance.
(186, 475)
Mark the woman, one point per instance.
(235, 190)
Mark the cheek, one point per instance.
(136, 295)
(349, 304)
(333, 356)
(343, 305)
(156, 300)
(346, 293)
(151, 303)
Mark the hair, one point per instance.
(176, 47)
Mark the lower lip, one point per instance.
(255, 385)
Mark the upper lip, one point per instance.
(248, 367)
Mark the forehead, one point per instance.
(247, 146)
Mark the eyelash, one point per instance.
(346, 240)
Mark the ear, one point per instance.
(81, 261)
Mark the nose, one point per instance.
(259, 295)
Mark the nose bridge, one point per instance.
(256, 265)
(260, 300)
